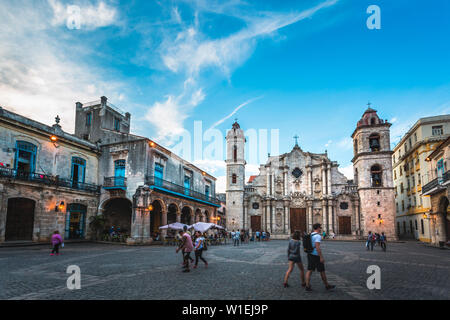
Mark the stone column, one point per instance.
(329, 178)
(358, 218)
(164, 222)
(285, 177)
(178, 216)
(244, 217)
(324, 215)
(310, 215)
(272, 218)
(273, 184)
(310, 181)
(268, 181)
(264, 222)
(324, 180)
(330, 216)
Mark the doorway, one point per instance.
(19, 219)
(298, 219)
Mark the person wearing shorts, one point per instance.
(316, 260)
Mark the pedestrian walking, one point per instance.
(186, 248)
(370, 241)
(57, 241)
(200, 246)
(237, 237)
(258, 235)
(294, 258)
(315, 257)
(383, 241)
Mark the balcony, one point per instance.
(172, 188)
(436, 185)
(352, 188)
(114, 183)
(48, 180)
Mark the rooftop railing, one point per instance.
(47, 180)
(154, 181)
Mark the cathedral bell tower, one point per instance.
(235, 177)
(372, 165)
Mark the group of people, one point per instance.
(262, 235)
(311, 245)
(187, 246)
(374, 239)
(240, 236)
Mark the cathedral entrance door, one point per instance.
(255, 222)
(345, 225)
(298, 219)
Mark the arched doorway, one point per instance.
(186, 215)
(172, 213)
(117, 213)
(155, 218)
(206, 218)
(443, 206)
(198, 215)
(19, 219)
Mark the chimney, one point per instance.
(103, 100)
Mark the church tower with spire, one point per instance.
(235, 177)
(372, 165)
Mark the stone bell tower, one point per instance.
(235, 177)
(372, 165)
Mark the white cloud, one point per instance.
(345, 143)
(189, 52)
(347, 171)
(221, 184)
(211, 166)
(234, 112)
(90, 16)
(328, 143)
(35, 71)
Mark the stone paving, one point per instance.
(255, 271)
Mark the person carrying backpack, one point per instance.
(383, 241)
(311, 245)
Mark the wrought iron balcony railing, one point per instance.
(115, 183)
(154, 181)
(47, 180)
(436, 182)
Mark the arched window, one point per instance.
(234, 178)
(375, 174)
(355, 146)
(235, 154)
(374, 142)
(356, 176)
(373, 121)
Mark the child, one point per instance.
(56, 242)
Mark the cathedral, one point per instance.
(297, 189)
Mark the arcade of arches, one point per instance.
(165, 209)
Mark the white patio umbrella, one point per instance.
(174, 226)
(202, 226)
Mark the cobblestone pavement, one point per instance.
(254, 271)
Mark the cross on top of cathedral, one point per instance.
(296, 139)
(57, 119)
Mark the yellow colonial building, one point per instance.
(410, 172)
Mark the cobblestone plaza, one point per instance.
(409, 270)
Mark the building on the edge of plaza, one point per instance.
(136, 184)
(221, 218)
(297, 189)
(437, 189)
(48, 180)
(372, 167)
(411, 174)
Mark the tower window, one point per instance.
(355, 146)
(374, 142)
(234, 178)
(88, 118)
(373, 121)
(235, 154)
(375, 173)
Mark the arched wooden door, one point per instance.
(19, 219)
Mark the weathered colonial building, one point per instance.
(411, 172)
(437, 189)
(48, 180)
(135, 183)
(297, 189)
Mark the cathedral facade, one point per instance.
(297, 189)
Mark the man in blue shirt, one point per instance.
(316, 260)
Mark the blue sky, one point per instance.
(304, 67)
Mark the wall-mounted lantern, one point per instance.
(60, 207)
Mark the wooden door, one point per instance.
(19, 219)
(255, 222)
(345, 225)
(298, 219)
